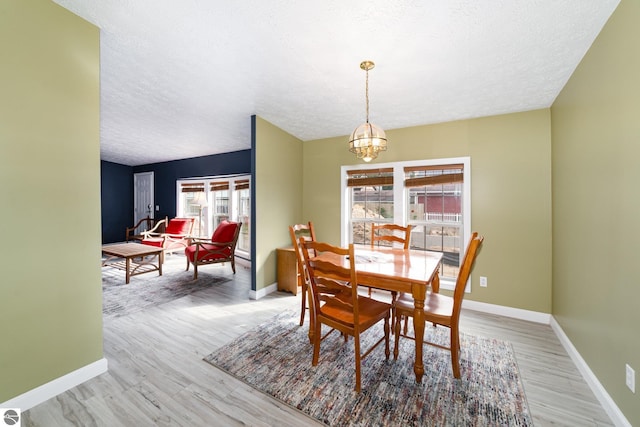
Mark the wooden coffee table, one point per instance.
(132, 258)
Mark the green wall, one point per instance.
(278, 189)
(51, 293)
(50, 301)
(596, 206)
(510, 202)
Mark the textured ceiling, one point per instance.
(181, 79)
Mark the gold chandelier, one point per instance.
(368, 139)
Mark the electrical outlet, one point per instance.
(483, 282)
(157, 208)
(631, 378)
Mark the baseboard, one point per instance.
(501, 310)
(603, 397)
(53, 388)
(255, 295)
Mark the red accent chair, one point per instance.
(176, 235)
(221, 247)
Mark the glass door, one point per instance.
(242, 195)
(215, 199)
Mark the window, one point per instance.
(371, 193)
(192, 204)
(434, 196)
(219, 195)
(431, 195)
(213, 200)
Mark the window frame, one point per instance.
(400, 196)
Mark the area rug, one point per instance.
(150, 289)
(275, 358)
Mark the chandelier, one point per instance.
(368, 139)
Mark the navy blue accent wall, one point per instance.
(167, 173)
(117, 186)
(116, 189)
(253, 200)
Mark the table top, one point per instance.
(129, 249)
(407, 265)
(394, 269)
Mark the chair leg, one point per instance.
(187, 264)
(195, 270)
(396, 327)
(386, 337)
(233, 265)
(304, 302)
(356, 340)
(316, 343)
(393, 311)
(455, 351)
(312, 318)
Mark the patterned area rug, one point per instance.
(275, 358)
(150, 289)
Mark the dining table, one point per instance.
(398, 270)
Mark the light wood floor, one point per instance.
(157, 375)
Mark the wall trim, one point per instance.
(501, 310)
(603, 397)
(53, 388)
(263, 291)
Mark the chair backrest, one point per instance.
(144, 224)
(227, 232)
(475, 242)
(331, 276)
(159, 226)
(180, 226)
(306, 232)
(390, 233)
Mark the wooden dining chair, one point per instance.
(306, 232)
(347, 311)
(387, 235)
(441, 309)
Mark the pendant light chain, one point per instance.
(367, 92)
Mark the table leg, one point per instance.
(435, 283)
(128, 270)
(419, 293)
